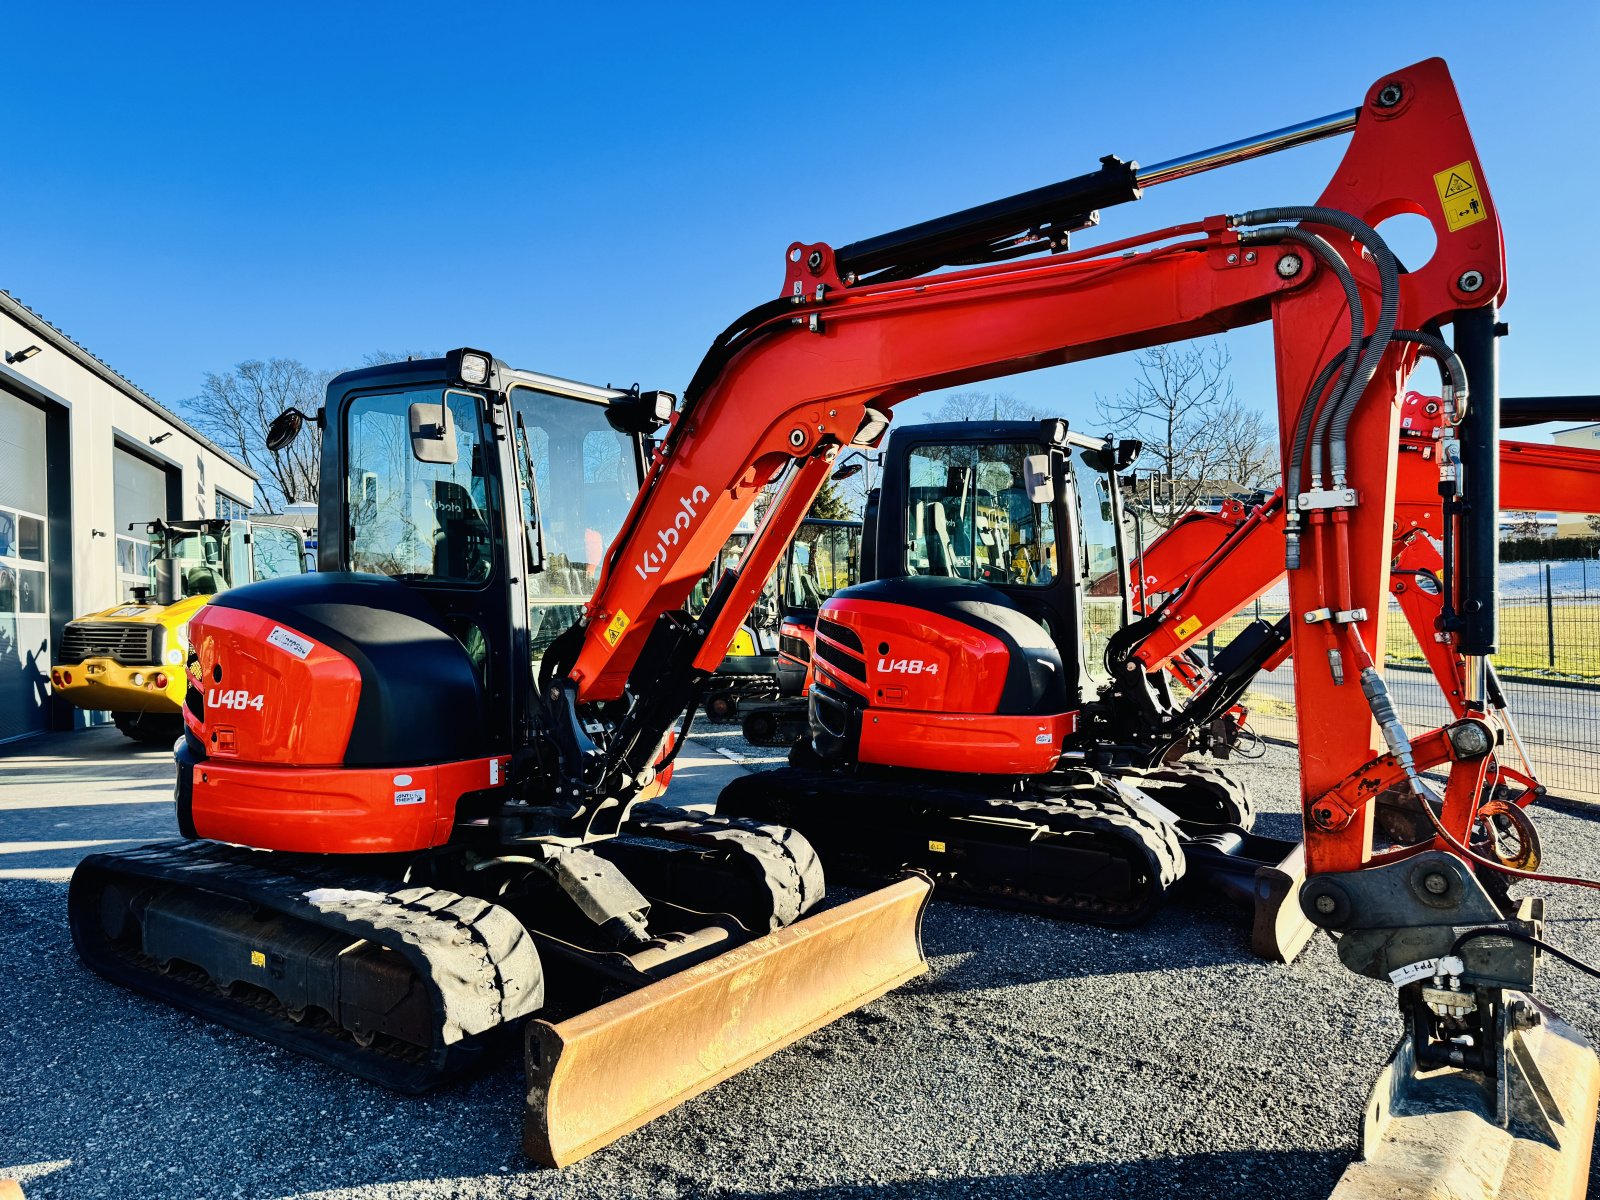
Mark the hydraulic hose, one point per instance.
(1340, 410)
(1330, 258)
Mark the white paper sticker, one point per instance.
(402, 781)
(494, 771)
(293, 643)
(132, 610)
(1426, 969)
(414, 796)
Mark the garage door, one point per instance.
(140, 496)
(24, 600)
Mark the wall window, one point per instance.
(228, 508)
(22, 580)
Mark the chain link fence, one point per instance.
(1548, 664)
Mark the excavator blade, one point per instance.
(603, 1073)
(1437, 1133)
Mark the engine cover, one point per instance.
(329, 713)
(937, 674)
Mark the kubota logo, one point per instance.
(653, 559)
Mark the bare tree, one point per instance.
(1523, 524)
(985, 406)
(234, 410)
(1196, 433)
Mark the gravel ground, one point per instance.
(1036, 1058)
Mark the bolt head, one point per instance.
(1436, 883)
(814, 259)
(797, 438)
(1470, 281)
(1233, 258)
(1289, 266)
(1391, 95)
(1326, 905)
(1250, 256)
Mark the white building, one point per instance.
(84, 454)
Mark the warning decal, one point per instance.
(1187, 627)
(1458, 192)
(614, 631)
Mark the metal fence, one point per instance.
(1548, 664)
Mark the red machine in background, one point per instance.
(1209, 566)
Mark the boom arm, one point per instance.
(804, 377)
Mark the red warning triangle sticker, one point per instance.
(1456, 186)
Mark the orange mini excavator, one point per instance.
(444, 748)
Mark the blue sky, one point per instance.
(595, 191)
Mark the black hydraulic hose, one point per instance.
(759, 320)
(1516, 935)
(1341, 410)
(1451, 371)
(1330, 258)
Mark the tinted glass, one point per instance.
(416, 520)
(969, 516)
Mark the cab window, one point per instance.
(968, 515)
(414, 520)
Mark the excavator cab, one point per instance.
(1028, 508)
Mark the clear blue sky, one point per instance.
(595, 193)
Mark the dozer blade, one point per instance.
(1263, 872)
(603, 1073)
(1437, 1134)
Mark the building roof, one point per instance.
(59, 340)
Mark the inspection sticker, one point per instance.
(1458, 192)
(615, 630)
(293, 643)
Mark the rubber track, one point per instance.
(782, 856)
(476, 958)
(786, 793)
(1214, 784)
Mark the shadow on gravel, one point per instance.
(1218, 1176)
(1039, 948)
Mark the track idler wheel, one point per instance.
(723, 707)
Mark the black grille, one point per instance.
(131, 645)
(839, 660)
(842, 634)
(794, 647)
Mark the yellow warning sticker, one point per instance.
(1458, 192)
(615, 630)
(936, 847)
(257, 959)
(1188, 627)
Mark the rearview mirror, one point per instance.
(1036, 478)
(284, 429)
(433, 433)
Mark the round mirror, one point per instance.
(284, 429)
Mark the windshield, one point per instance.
(578, 479)
(822, 559)
(416, 520)
(969, 516)
(197, 558)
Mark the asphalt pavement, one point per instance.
(1035, 1059)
